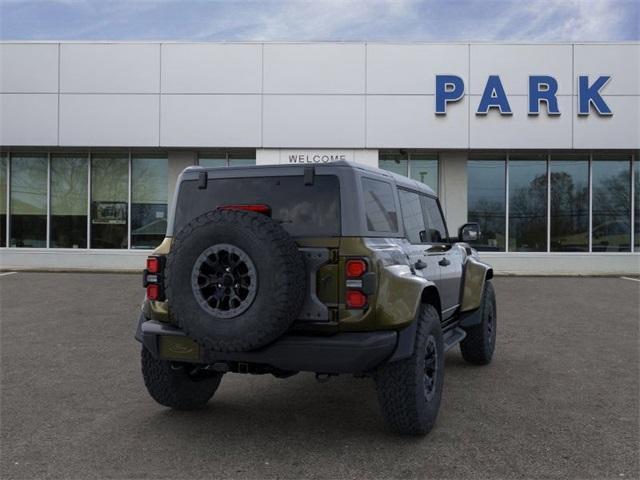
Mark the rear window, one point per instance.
(303, 210)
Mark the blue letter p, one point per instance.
(449, 88)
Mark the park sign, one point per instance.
(542, 89)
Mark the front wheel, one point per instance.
(178, 385)
(409, 390)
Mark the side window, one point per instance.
(437, 231)
(412, 216)
(380, 209)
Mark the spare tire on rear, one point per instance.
(235, 280)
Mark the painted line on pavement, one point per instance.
(632, 279)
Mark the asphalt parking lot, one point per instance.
(559, 401)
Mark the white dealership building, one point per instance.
(537, 142)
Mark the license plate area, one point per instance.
(179, 348)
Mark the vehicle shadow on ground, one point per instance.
(344, 407)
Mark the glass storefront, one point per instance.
(611, 230)
(569, 198)
(28, 201)
(4, 169)
(527, 203)
(549, 197)
(109, 197)
(523, 201)
(486, 197)
(227, 159)
(420, 166)
(636, 195)
(149, 180)
(69, 186)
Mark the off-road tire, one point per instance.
(478, 346)
(401, 384)
(281, 280)
(172, 384)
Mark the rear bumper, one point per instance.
(347, 352)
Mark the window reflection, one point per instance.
(69, 201)
(486, 201)
(611, 231)
(148, 201)
(28, 201)
(233, 158)
(395, 162)
(424, 168)
(4, 164)
(569, 203)
(528, 204)
(412, 216)
(636, 214)
(109, 194)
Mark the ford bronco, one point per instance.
(334, 268)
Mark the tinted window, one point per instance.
(69, 201)
(528, 204)
(109, 196)
(28, 201)
(569, 204)
(611, 203)
(412, 216)
(436, 229)
(303, 210)
(380, 209)
(486, 195)
(148, 201)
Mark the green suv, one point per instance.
(332, 268)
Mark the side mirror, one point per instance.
(469, 232)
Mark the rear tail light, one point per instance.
(355, 270)
(152, 278)
(153, 265)
(258, 208)
(356, 299)
(153, 291)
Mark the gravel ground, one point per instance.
(560, 399)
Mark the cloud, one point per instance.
(325, 20)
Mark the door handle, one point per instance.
(444, 262)
(419, 265)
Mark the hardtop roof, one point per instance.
(276, 169)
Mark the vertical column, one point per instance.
(178, 161)
(453, 188)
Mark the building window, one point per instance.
(380, 209)
(149, 177)
(69, 181)
(28, 201)
(486, 196)
(528, 203)
(4, 165)
(109, 196)
(611, 204)
(233, 158)
(422, 167)
(569, 206)
(636, 195)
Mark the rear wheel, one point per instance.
(178, 385)
(479, 344)
(409, 390)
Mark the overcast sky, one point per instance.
(303, 20)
